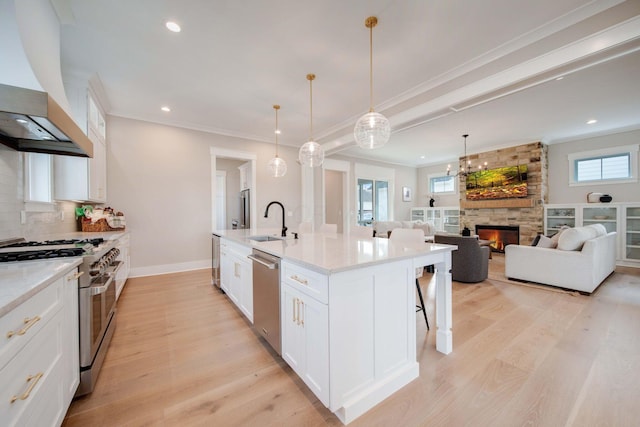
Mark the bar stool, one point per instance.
(412, 237)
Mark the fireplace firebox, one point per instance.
(500, 235)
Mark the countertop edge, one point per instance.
(64, 268)
(234, 236)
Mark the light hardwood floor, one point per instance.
(182, 355)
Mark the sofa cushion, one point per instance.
(428, 228)
(573, 239)
(407, 224)
(600, 229)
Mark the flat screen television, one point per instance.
(499, 183)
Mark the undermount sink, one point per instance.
(264, 238)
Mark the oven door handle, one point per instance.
(97, 290)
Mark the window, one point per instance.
(609, 166)
(439, 184)
(372, 201)
(38, 182)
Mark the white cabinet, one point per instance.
(305, 329)
(39, 359)
(623, 218)
(351, 334)
(631, 234)
(445, 219)
(125, 266)
(79, 178)
(236, 275)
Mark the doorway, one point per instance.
(334, 196)
(241, 157)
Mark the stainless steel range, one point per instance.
(96, 293)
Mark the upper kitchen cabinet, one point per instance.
(85, 179)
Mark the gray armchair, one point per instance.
(470, 263)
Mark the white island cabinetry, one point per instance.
(347, 311)
(305, 327)
(236, 275)
(39, 355)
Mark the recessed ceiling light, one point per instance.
(173, 26)
(166, 109)
(278, 131)
(592, 121)
(23, 121)
(423, 156)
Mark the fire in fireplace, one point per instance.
(501, 235)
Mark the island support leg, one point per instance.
(444, 322)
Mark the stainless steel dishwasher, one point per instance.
(266, 297)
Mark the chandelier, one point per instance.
(277, 166)
(373, 129)
(311, 153)
(468, 170)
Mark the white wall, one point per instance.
(559, 189)
(422, 195)
(160, 177)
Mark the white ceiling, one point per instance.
(234, 59)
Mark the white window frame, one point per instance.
(440, 175)
(38, 182)
(631, 150)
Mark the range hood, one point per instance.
(31, 120)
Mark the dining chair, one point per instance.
(412, 237)
(328, 228)
(305, 227)
(361, 231)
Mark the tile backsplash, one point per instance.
(12, 207)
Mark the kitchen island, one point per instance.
(347, 309)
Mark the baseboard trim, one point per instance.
(155, 270)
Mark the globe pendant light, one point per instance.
(311, 153)
(372, 130)
(277, 166)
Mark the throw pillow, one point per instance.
(545, 242)
(536, 240)
(574, 238)
(556, 236)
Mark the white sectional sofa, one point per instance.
(382, 228)
(584, 257)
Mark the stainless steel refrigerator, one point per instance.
(245, 209)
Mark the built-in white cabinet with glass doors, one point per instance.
(445, 219)
(80, 178)
(623, 218)
(631, 234)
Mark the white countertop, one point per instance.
(331, 253)
(19, 281)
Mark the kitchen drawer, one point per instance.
(22, 323)
(309, 282)
(241, 251)
(41, 359)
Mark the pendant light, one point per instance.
(372, 130)
(311, 153)
(277, 166)
(464, 172)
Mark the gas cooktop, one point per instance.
(22, 250)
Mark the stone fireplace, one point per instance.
(527, 213)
